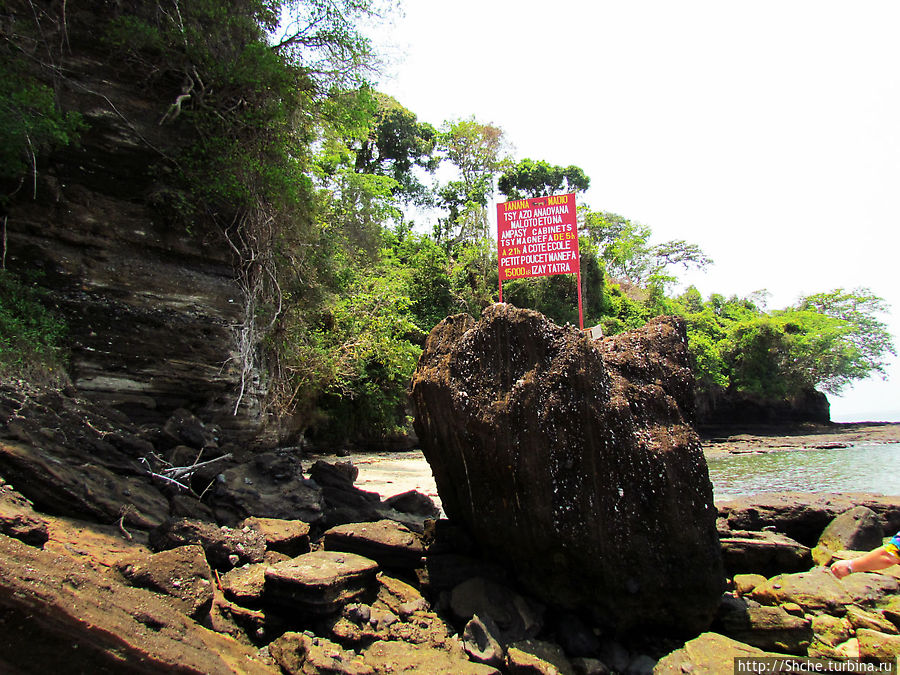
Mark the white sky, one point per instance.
(764, 132)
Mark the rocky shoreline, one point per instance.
(114, 569)
(728, 440)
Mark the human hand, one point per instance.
(841, 568)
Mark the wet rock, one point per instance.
(225, 547)
(84, 622)
(319, 583)
(514, 615)
(766, 553)
(300, 654)
(290, 537)
(858, 529)
(397, 657)
(804, 515)
(769, 628)
(271, 485)
(480, 640)
(815, 591)
(181, 573)
(571, 460)
(391, 544)
(415, 503)
(18, 519)
(535, 657)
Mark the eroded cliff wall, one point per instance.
(151, 301)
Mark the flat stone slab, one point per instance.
(290, 537)
(390, 543)
(320, 582)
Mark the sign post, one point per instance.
(539, 237)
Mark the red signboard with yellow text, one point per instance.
(537, 237)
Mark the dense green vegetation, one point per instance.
(348, 245)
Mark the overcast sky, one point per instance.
(764, 132)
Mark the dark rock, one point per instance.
(769, 628)
(766, 553)
(56, 450)
(516, 617)
(18, 519)
(413, 502)
(575, 636)
(338, 475)
(83, 621)
(738, 408)
(225, 547)
(448, 570)
(319, 583)
(571, 461)
(588, 666)
(804, 515)
(182, 573)
(271, 485)
(481, 641)
(290, 537)
(858, 529)
(391, 544)
(345, 503)
(59, 484)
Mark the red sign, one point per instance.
(537, 237)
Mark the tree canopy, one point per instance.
(291, 156)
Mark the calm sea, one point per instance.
(862, 468)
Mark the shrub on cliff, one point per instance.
(30, 335)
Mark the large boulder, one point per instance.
(805, 515)
(573, 461)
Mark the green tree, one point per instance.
(628, 254)
(477, 151)
(530, 178)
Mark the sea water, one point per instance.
(861, 468)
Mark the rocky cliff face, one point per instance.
(729, 408)
(152, 306)
(572, 462)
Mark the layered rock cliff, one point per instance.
(151, 302)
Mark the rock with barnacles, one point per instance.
(574, 461)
